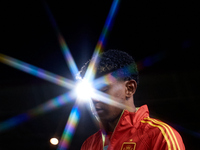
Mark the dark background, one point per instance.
(163, 37)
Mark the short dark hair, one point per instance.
(119, 63)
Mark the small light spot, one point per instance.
(54, 141)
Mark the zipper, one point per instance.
(103, 138)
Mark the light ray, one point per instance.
(151, 60)
(188, 131)
(41, 109)
(91, 71)
(65, 49)
(120, 73)
(69, 128)
(84, 90)
(35, 71)
(53, 104)
(14, 121)
(108, 99)
(75, 114)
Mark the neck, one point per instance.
(130, 105)
(109, 126)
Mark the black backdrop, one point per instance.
(163, 31)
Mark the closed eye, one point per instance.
(104, 89)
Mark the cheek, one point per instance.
(118, 92)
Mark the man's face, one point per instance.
(116, 89)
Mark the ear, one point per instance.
(131, 87)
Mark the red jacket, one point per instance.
(137, 131)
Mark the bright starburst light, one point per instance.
(90, 73)
(63, 99)
(84, 90)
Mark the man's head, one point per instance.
(122, 83)
(120, 64)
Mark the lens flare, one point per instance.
(150, 60)
(84, 90)
(69, 128)
(12, 122)
(35, 71)
(53, 104)
(66, 52)
(120, 73)
(110, 100)
(91, 71)
(50, 105)
(56, 102)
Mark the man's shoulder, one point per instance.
(154, 123)
(160, 132)
(91, 140)
(156, 126)
(96, 135)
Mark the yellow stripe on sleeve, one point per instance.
(162, 131)
(164, 124)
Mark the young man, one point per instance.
(131, 128)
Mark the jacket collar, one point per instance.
(130, 119)
(133, 119)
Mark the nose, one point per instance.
(95, 100)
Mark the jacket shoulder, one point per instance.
(91, 141)
(161, 134)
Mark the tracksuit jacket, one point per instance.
(137, 131)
